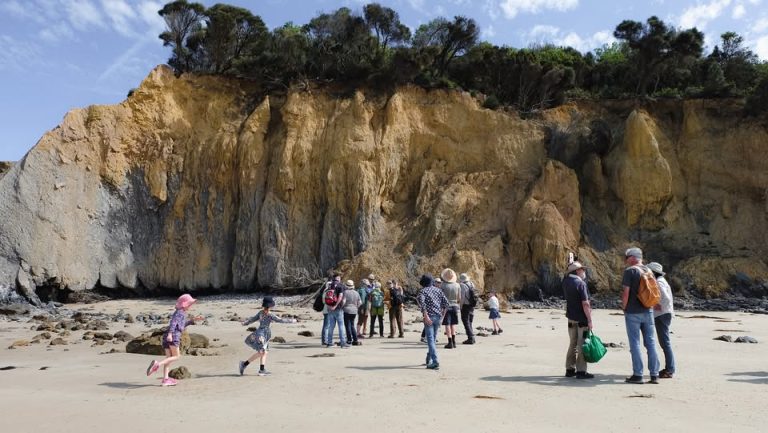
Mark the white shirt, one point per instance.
(666, 298)
(493, 302)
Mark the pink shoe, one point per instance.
(153, 366)
(169, 382)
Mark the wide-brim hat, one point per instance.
(350, 284)
(268, 302)
(656, 268)
(575, 266)
(185, 301)
(448, 275)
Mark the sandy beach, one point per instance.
(511, 382)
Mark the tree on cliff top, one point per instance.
(182, 20)
(386, 25)
(446, 39)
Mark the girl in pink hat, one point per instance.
(171, 339)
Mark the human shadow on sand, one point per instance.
(387, 367)
(756, 377)
(599, 379)
(126, 385)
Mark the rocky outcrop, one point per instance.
(5, 167)
(202, 183)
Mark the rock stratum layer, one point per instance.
(198, 183)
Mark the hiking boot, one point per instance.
(423, 340)
(433, 366)
(401, 336)
(241, 368)
(584, 375)
(638, 380)
(654, 380)
(449, 345)
(570, 372)
(500, 330)
(664, 374)
(468, 341)
(390, 336)
(494, 333)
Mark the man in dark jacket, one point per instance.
(579, 314)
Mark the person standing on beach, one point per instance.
(493, 306)
(662, 318)
(351, 306)
(365, 306)
(638, 319)
(579, 314)
(334, 300)
(434, 305)
(377, 309)
(452, 291)
(328, 285)
(171, 339)
(396, 301)
(258, 340)
(468, 302)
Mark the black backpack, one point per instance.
(471, 295)
(319, 304)
(397, 298)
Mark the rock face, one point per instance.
(200, 183)
(5, 167)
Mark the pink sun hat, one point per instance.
(185, 301)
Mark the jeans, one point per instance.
(324, 332)
(467, 317)
(636, 324)
(349, 325)
(662, 331)
(431, 333)
(395, 318)
(573, 358)
(335, 317)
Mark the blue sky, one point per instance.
(56, 55)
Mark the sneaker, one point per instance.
(584, 375)
(390, 336)
(241, 368)
(634, 379)
(433, 366)
(570, 372)
(664, 374)
(168, 382)
(494, 333)
(500, 330)
(401, 336)
(355, 343)
(654, 380)
(468, 341)
(264, 373)
(153, 366)
(423, 340)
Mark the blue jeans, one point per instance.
(636, 324)
(662, 331)
(324, 332)
(336, 317)
(431, 333)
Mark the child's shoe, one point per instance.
(495, 333)
(169, 382)
(264, 373)
(500, 330)
(153, 366)
(241, 368)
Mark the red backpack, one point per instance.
(330, 297)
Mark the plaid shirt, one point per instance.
(432, 301)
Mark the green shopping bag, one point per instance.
(593, 348)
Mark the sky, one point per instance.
(56, 55)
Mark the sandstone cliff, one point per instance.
(198, 183)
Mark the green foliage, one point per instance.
(491, 102)
(757, 102)
(373, 47)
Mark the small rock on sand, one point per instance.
(180, 373)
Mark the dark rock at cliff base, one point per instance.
(14, 309)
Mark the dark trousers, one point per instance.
(467, 317)
(349, 325)
(662, 332)
(381, 325)
(395, 318)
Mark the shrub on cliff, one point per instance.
(757, 102)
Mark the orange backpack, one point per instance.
(648, 292)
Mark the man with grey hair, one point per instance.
(579, 314)
(638, 318)
(468, 302)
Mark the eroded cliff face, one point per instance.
(196, 183)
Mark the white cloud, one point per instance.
(700, 15)
(738, 12)
(544, 34)
(488, 32)
(512, 7)
(760, 25)
(761, 47)
(83, 14)
(148, 12)
(54, 33)
(18, 55)
(120, 14)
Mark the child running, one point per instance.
(259, 339)
(493, 305)
(171, 339)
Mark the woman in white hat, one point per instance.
(662, 318)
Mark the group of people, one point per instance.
(648, 322)
(442, 301)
